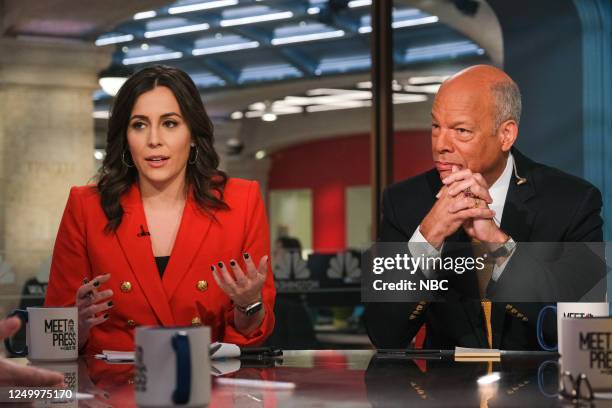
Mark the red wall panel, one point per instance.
(328, 166)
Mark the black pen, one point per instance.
(408, 352)
(212, 349)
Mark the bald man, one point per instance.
(483, 190)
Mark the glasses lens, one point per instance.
(567, 385)
(584, 388)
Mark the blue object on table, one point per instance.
(180, 344)
(23, 315)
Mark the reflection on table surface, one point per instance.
(356, 378)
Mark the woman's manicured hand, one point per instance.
(92, 305)
(243, 288)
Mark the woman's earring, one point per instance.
(195, 159)
(125, 163)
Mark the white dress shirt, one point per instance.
(418, 245)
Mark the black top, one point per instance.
(162, 262)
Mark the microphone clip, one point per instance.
(143, 233)
(519, 180)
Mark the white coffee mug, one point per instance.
(587, 349)
(573, 310)
(52, 333)
(172, 366)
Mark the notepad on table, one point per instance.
(218, 351)
(113, 356)
(476, 354)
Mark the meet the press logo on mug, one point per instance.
(599, 346)
(63, 333)
(140, 377)
(70, 380)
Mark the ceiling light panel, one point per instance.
(290, 29)
(308, 37)
(420, 80)
(113, 38)
(268, 72)
(177, 30)
(412, 22)
(451, 50)
(359, 3)
(206, 80)
(210, 40)
(338, 106)
(198, 6)
(408, 98)
(217, 49)
(152, 58)
(246, 11)
(151, 53)
(145, 14)
(430, 89)
(407, 17)
(281, 109)
(404, 13)
(324, 99)
(281, 15)
(137, 50)
(343, 64)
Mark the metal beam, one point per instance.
(300, 61)
(292, 56)
(210, 63)
(381, 137)
(220, 69)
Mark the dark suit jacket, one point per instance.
(551, 207)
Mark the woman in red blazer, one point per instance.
(164, 237)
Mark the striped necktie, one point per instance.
(484, 276)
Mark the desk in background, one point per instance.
(320, 298)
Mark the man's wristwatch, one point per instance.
(251, 309)
(503, 250)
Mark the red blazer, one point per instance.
(140, 296)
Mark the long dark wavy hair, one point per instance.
(206, 181)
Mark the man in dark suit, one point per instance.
(476, 195)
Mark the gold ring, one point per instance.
(475, 203)
(468, 192)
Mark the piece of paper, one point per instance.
(115, 356)
(84, 396)
(227, 350)
(466, 351)
(476, 354)
(224, 366)
(244, 382)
